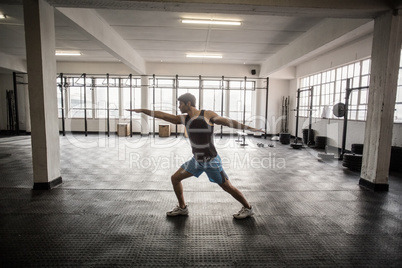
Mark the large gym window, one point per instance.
(329, 88)
(189, 86)
(213, 95)
(79, 97)
(107, 97)
(240, 100)
(163, 99)
(132, 91)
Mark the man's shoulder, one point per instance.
(210, 116)
(209, 113)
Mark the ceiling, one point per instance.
(153, 30)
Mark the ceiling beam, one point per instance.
(325, 36)
(12, 63)
(90, 23)
(311, 8)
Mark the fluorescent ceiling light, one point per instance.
(68, 53)
(204, 56)
(215, 22)
(3, 16)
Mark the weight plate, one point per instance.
(339, 109)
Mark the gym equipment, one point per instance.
(285, 115)
(153, 106)
(85, 103)
(331, 153)
(326, 156)
(357, 148)
(12, 99)
(339, 109)
(266, 108)
(396, 159)
(345, 117)
(131, 104)
(308, 136)
(263, 145)
(241, 135)
(62, 85)
(311, 89)
(320, 142)
(352, 161)
(82, 82)
(284, 138)
(296, 145)
(11, 111)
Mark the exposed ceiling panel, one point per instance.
(160, 36)
(154, 28)
(153, 32)
(160, 33)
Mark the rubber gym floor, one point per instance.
(110, 210)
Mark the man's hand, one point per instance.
(258, 130)
(134, 110)
(255, 129)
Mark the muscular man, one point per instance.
(200, 129)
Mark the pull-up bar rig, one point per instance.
(64, 84)
(346, 115)
(311, 89)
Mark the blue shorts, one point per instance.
(213, 168)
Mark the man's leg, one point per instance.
(176, 178)
(228, 187)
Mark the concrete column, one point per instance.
(144, 104)
(381, 103)
(41, 63)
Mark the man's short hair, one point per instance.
(187, 97)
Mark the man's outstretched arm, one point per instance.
(174, 119)
(219, 120)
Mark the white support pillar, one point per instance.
(41, 63)
(144, 104)
(381, 103)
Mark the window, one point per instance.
(212, 95)
(103, 96)
(164, 95)
(107, 97)
(239, 99)
(189, 86)
(59, 104)
(79, 97)
(329, 88)
(134, 92)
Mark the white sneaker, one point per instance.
(178, 211)
(244, 213)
